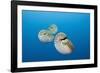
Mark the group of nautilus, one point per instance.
(61, 42)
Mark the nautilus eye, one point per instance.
(53, 28)
(62, 44)
(45, 36)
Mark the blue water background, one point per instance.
(75, 25)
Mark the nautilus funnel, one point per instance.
(53, 28)
(45, 36)
(62, 44)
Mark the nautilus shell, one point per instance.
(62, 44)
(45, 36)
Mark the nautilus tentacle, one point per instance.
(62, 44)
(45, 36)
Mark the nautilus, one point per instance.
(62, 44)
(53, 29)
(47, 35)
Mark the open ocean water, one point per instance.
(75, 25)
